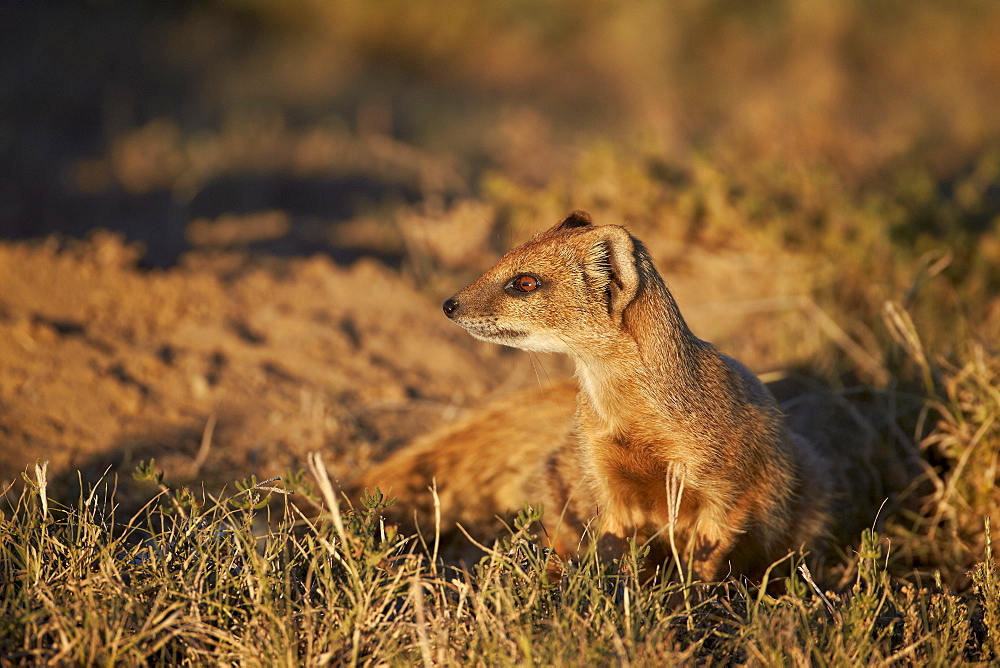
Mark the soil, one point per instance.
(221, 367)
(230, 364)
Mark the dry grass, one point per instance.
(208, 580)
(234, 579)
(855, 148)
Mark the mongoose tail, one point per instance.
(479, 464)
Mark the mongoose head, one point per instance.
(563, 291)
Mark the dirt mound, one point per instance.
(221, 367)
(231, 364)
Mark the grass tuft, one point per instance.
(234, 579)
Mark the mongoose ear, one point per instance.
(611, 262)
(575, 218)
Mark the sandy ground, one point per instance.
(105, 364)
(227, 364)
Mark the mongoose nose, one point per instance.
(450, 306)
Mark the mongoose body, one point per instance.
(656, 406)
(656, 409)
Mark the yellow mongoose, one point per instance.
(656, 407)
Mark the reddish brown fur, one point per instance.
(653, 399)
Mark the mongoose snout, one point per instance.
(450, 306)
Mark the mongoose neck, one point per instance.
(664, 342)
(650, 367)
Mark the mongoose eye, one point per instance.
(525, 283)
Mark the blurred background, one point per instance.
(145, 117)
